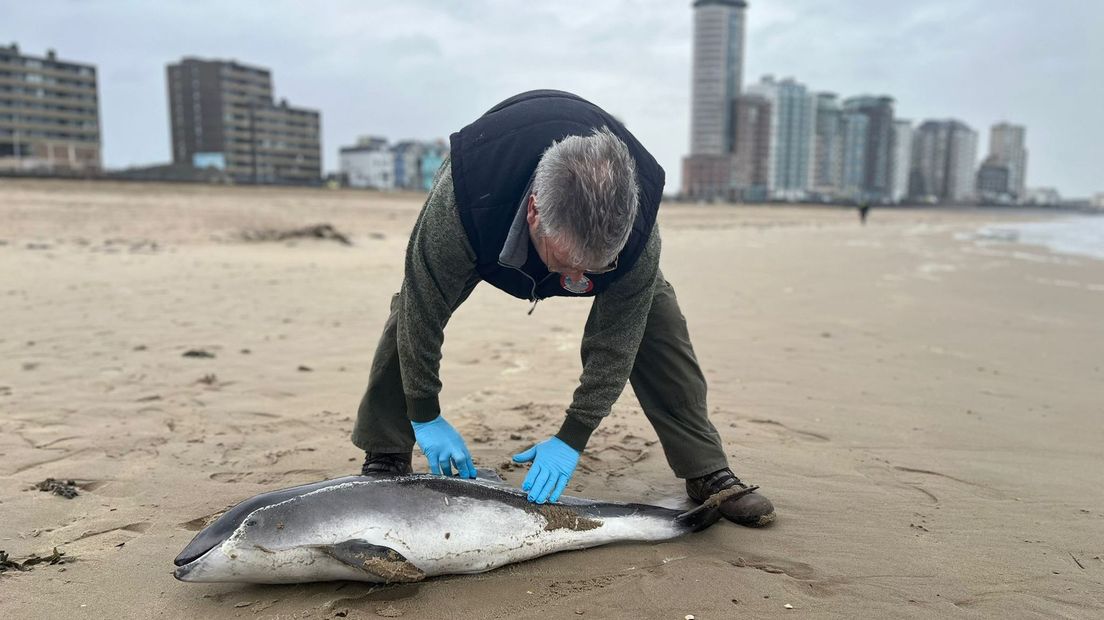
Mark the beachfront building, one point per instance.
(751, 154)
(943, 156)
(717, 74)
(223, 115)
(1043, 197)
(854, 130)
(993, 181)
(793, 133)
(374, 163)
(49, 113)
(877, 173)
(408, 164)
(827, 147)
(369, 164)
(416, 163)
(432, 158)
(902, 159)
(1006, 147)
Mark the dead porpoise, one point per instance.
(407, 528)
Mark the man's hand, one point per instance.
(553, 464)
(443, 447)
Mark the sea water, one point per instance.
(1078, 235)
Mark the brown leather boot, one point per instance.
(386, 464)
(751, 509)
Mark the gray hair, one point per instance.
(587, 196)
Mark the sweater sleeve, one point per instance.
(440, 267)
(611, 338)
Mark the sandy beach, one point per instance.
(925, 410)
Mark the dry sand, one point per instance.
(925, 412)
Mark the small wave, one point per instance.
(1078, 236)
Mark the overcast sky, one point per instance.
(422, 68)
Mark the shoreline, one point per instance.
(670, 200)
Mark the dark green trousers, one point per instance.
(666, 378)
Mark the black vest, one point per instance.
(492, 162)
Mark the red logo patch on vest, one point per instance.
(582, 286)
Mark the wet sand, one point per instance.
(924, 410)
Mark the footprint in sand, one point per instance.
(807, 435)
(130, 531)
(294, 476)
(920, 480)
(198, 523)
(775, 566)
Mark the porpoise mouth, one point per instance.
(182, 573)
(199, 548)
(197, 570)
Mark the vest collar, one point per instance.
(516, 249)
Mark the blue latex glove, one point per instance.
(553, 463)
(443, 447)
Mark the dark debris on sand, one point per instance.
(325, 232)
(64, 488)
(56, 557)
(200, 353)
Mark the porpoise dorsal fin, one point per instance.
(388, 565)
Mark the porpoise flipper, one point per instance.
(388, 565)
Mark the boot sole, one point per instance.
(760, 521)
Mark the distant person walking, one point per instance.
(547, 195)
(864, 209)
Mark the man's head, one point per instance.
(583, 203)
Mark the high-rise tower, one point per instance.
(943, 156)
(716, 83)
(902, 158)
(877, 174)
(1006, 145)
(793, 133)
(717, 74)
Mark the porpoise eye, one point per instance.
(250, 523)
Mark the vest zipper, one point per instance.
(533, 290)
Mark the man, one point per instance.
(547, 195)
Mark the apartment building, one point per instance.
(49, 113)
(223, 115)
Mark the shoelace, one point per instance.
(723, 479)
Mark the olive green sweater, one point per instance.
(440, 267)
